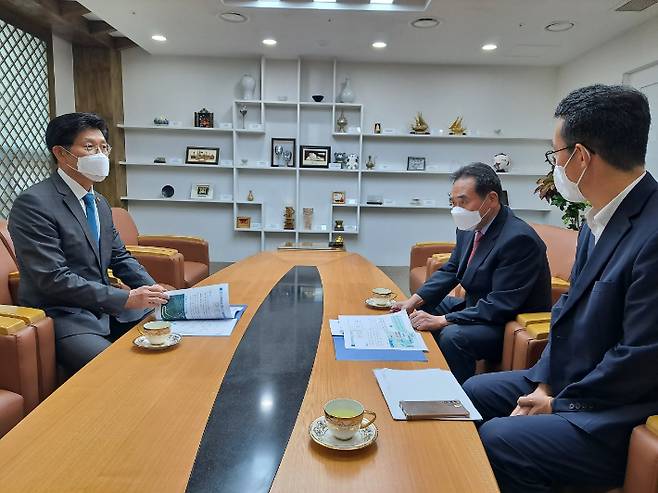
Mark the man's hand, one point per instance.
(538, 402)
(421, 320)
(147, 297)
(407, 305)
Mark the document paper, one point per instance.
(204, 303)
(391, 331)
(222, 327)
(422, 385)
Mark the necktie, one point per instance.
(476, 242)
(90, 208)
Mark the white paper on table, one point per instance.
(422, 385)
(206, 327)
(390, 331)
(336, 329)
(203, 303)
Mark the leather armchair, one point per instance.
(193, 251)
(642, 466)
(419, 259)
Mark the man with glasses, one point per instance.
(65, 242)
(568, 419)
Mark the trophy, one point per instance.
(243, 112)
(456, 127)
(419, 126)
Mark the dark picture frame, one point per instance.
(416, 163)
(202, 155)
(288, 144)
(314, 156)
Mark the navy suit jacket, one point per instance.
(508, 274)
(602, 357)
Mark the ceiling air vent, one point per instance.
(636, 5)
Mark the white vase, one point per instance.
(346, 95)
(247, 84)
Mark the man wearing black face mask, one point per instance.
(65, 241)
(500, 262)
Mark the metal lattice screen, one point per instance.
(24, 113)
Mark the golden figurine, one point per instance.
(420, 126)
(456, 127)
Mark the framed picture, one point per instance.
(201, 191)
(415, 163)
(314, 156)
(283, 153)
(243, 222)
(337, 197)
(504, 198)
(202, 155)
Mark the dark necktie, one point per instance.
(90, 208)
(476, 242)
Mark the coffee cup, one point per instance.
(345, 417)
(384, 293)
(156, 332)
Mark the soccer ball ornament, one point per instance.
(501, 162)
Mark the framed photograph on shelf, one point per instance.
(283, 153)
(314, 156)
(504, 198)
(337, 197)
(415, 163)
(201, 191)
(202, 155)
(243, 222)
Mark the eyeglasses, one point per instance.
(93, 149)
(550, 155)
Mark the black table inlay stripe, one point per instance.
(259, 399)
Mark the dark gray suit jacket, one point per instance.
(62, 270)
(508, 274)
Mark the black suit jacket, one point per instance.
(508, 275)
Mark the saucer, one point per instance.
(321, 435)
(172, 340)
(379, 303)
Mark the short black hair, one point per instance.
(63, 130)
(486, 179)
(612, 121)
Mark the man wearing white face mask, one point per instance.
(65, 241)
(500, 262)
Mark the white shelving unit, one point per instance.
(312, 123)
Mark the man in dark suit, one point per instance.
(65, 241)
(500, 262)
(568, 419)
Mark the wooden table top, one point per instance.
(133, 420)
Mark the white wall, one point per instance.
(519, 101)
(607, 63)
(63, 68)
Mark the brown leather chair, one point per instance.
(419, 261)
(192, 266)
(642, 465)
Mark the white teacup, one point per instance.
(345, 417)
(156, 332)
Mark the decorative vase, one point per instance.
(250, 197)
(247, 84)
(308, 218)
(370, 164)
(346, 94)
(341, 123)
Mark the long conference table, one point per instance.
(233, 413)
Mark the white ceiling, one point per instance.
(192, 27)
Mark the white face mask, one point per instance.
(96, 167)
(567, 188)
(467, 220)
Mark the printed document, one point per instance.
(390, 331)
(204, 303)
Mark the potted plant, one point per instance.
(573, 215)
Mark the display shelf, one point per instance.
(266, 168)
(250, 230)
(313, 104)
(346, 232)
(350, 206)
(346, 134)
(247, 131)
(246, 202)
(327, 170)
(162, 199)
(401, 206)
(172, 128)
(456, 137)
(162, 166)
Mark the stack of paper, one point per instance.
(422, 385)
(222, 327)
(392, 331)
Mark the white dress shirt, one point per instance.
(598, 220)
(79, 192)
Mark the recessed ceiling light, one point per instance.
(158, 37)
(385, 2)
(233, 17)
(489, 47)
(559, 26)
(379, 44)
(269, 41)
(425, 22)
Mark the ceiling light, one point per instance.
(425, 22)
(559, 26)
(379, 44)
(489, 47)
(269, 42)
(233, 17)
(385, 2)
(158, 37)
